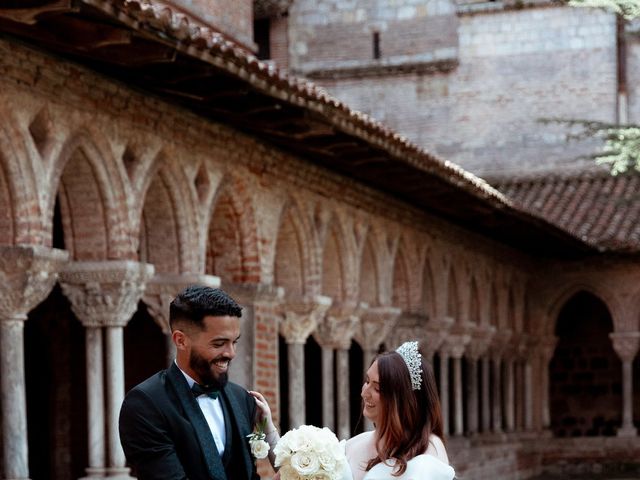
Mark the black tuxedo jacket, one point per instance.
(166, 437)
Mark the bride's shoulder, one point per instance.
(437, 449)
(358, 440)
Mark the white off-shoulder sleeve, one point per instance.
(421, 467)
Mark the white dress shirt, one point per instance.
(212, 411)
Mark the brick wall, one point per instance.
(515, 67)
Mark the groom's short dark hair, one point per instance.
(196, 302)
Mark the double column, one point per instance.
(27, 275)
(454, 348)
(626, 346)
(480, 340)
(334, 334)
(499, 344)
(104, 296)
(546, 346)
(300, 319)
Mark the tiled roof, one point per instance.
(596, 207)
(150, 46)
(210, 45)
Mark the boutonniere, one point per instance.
(257, 443)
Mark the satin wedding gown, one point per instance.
(422, 467)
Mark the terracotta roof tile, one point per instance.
(600, 209)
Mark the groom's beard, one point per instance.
(205, 371)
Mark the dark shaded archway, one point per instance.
(585, 372)
(56, 390)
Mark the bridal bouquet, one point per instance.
(311, 453)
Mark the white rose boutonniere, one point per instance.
(257, 443)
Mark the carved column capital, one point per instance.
(481, 338)
(546, 347)
(105, 294)
(302, 318)
(27, 275)
(163, 288)
(375, 325)
(255, 293)
(408, 327)
(625, 344)
(455, 344)
(523, 346)
(500, 343)
(338, 326)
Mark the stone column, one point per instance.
(546, 348)
(374, 327)
(104, 296)
(300, 320)
(524, 377)
(486, 394)
(328, 375)
(27, 275)
(626, 346)
(160, 292)
(479, 344)
(509, 394)
(444, 389)
(335, 332)
(455, 344)
(499, 343)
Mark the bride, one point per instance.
(400, 398)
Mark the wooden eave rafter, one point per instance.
(218, 86)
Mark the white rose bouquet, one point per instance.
(311, 453)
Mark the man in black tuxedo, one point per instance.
(189, 422)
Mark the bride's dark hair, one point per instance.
(408, 417)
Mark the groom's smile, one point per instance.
(212, 348)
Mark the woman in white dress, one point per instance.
(400, 397)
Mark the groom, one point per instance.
(188, 421)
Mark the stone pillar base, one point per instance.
(108, 473)
(628, 431)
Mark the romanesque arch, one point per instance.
(453, 302)
(368, 291)
(92, 199)
(584, 373)
(428, 290)
(20, 220)
(334, 265)
(7, 217)
(475, 315)
(401, 296)
(294, 247)
(232, 246)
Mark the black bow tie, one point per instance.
(208, 390)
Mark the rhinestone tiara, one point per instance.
(411, 356)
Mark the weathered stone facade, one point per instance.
(469, 84)
(124, 198)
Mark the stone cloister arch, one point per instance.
(585, 374)
(402, 287)
(102, 286)
(296, 270)
(232, 245)
(92, 196)
(20, 209)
